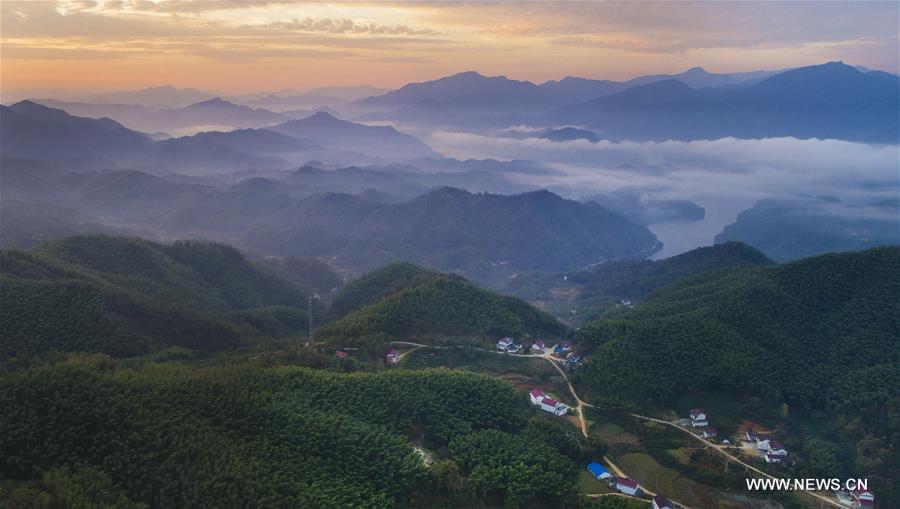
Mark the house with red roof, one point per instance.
(504, 344)
(536, 396)
(393, 357)
(341, 354)
(554, 407)
(661, 502)
(709, 432)
(538, 345)
(773, 458)
(626, 486)
(863, 497)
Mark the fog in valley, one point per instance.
(358, 176)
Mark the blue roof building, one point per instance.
(598, 471)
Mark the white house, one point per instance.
(709, 432)
(504, 344)
(553, 406)
(773, 458)
(536, 396)
(698, 418)
(627, 486)
(769, 444)
(863, 497)
(777, 448)
(538, 345)
(661, 502)
(751, 436)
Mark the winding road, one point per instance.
(579, 411)
(731, 457)
(579, 408)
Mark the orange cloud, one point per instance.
(255, 45)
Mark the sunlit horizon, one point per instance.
(242, 47)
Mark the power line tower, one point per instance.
(309, 339)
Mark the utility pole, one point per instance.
(309, 340)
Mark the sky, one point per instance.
(255, 45)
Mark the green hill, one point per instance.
(820, 335)
(599, 287)
(404, 300)
(128, 296)
(454, 230)
(375, 285)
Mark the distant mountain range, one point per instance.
(209, 114)
(168, 96)
(300, 215)
(286, 100)
(832, 100)
(452, 229)
(30, 130)
(471, 89)
(377, 141)
(34, 131)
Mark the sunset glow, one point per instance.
(259, 45)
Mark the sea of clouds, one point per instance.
(725, 176)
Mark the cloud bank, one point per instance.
(725, 176)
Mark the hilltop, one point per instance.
(405, 301)
(452, 229)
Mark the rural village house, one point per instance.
(698, 418)
(661, 502)
(546, 403)
(626, 486)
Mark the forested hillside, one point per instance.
(593, 290)
(88, 431)
(452, 229)
(406, 301)
(821, 335)
(789, 229)
(375, 285)
(127, 296)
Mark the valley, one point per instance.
(418, 311)
(444, 255)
